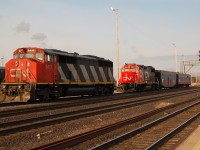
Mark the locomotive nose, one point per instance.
(18, 71)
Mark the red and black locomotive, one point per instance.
(36, 73)
(139, 78)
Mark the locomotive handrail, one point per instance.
(31, 75)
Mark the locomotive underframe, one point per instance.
(33, 91)
(131, 87)
(15, 92)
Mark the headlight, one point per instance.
(16, 63)
(28, 64)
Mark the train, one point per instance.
(39, 74)
(136, 77)
(44, 74)
(2, 74)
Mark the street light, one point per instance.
(2, 61)
(175, 49)
(117, 45)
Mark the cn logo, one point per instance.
(126, 78)
(17, 72)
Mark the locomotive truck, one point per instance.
(35, 73)
(139, 78)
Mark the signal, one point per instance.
(199, 55)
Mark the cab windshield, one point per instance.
(38, 56)
(128, 69)
(16, 55)
(21, 55)
(29, 55)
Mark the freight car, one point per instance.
(36, 73)
(166, 79)
(139, 78)
(183, 80)
(2, 74)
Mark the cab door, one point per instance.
(51, 67)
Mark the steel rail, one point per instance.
(71, 141)
(19, 124)
(169, 135)
(20, 111)
(134, 132)
(57, 106)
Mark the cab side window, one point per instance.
(48, 58)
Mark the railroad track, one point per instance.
(156, 134)
(68, 104)
(64, 99)
(168, 141)
(15, 126)
(33, 109)
(78, 139)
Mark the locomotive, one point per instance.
(36, 73)
(136, 77)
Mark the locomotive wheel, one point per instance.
(43, 94)
(99, 93)
(20, 97)
(139, 88)
(54, 97)
(124, 88)
(55, 94)
(106, 91)
(111, 91)
(7, 98)
(41, 98)
(4, 96)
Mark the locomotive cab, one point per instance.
(28, 64)
(129, 77)
(28, 67)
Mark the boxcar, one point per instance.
(166, 79)
(183, 80)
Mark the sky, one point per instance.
(147, 28)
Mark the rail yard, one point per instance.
(99, 75)
(52, 99)
(140, 120)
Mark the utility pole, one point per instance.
(175, 49)
(117, 45)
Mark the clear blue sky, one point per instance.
(147, 28)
